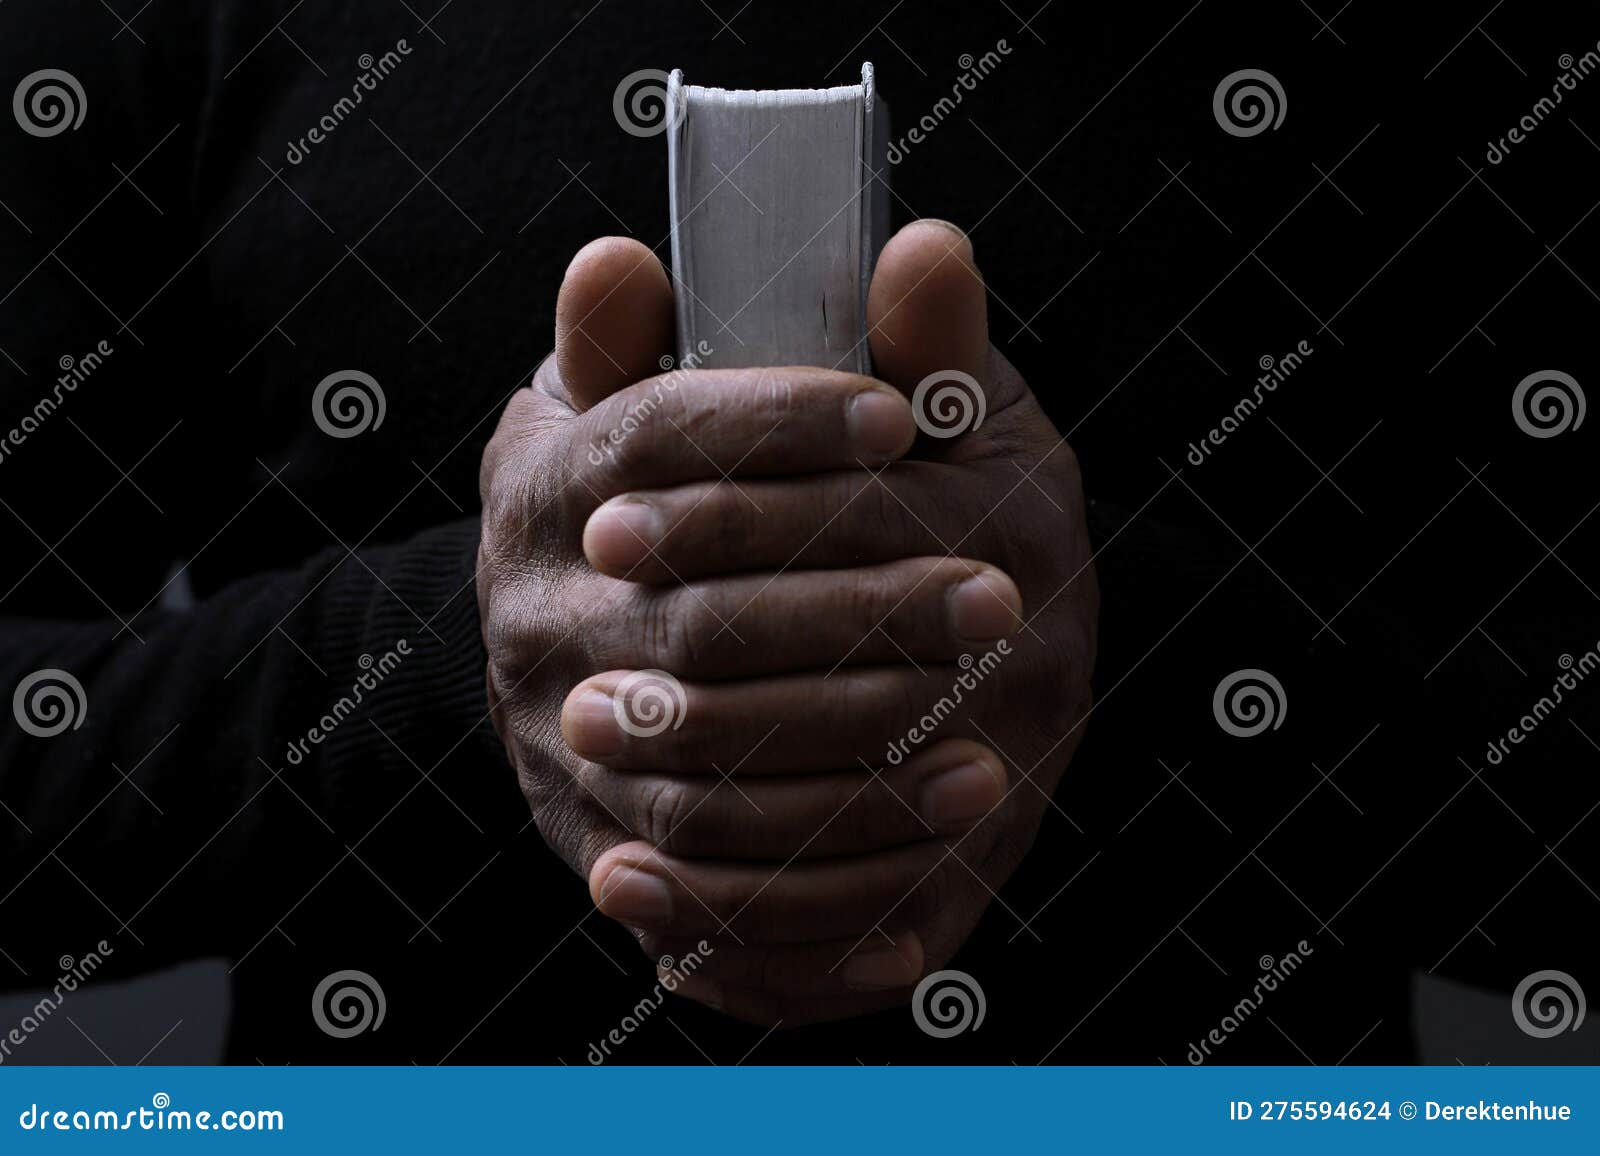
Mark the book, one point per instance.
(780, 207)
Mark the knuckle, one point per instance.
(628, 435)
(881, 521)
(902, 700)
(937, 890)
(684, 629)
(717, 514)
(665, 803)
(876, 703)
(503, 639)
(572, 504)
(508, 498)
(660, 623)
(774, 400)
(626, 452)
(658, 627)
(869, 595)
(871, 818)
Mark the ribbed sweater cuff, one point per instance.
(417, 623)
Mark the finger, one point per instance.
(844, 518)
(944, 791)
(649, 720)
(926, 307)
(799, 902)
(694, 424)
(880, 961)
(614, 319)
(917, 609)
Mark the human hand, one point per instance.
(811, 612)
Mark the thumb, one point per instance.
(926, 309)
(614, 319)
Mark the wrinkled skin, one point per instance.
(790, 555)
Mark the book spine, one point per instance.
(677, 192)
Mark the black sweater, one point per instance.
(216, 572)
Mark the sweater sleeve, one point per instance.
(172, 783)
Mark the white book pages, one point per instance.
(779, 204)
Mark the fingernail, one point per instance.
(956, 797)
(877, 969)
(879, 423)
(956, 229)
(633, 895)
(621, 533)
(589, 724)
(985, 607)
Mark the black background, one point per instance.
(1369, 224)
